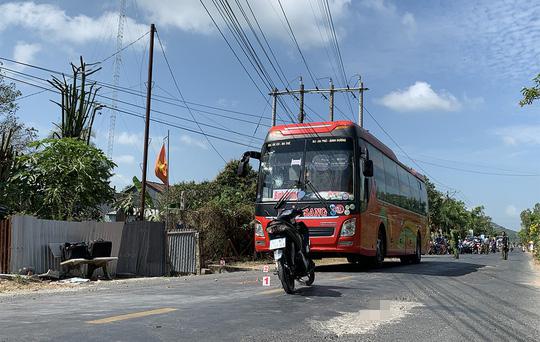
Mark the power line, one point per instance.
(142, 116)
(137, 106)
(131, 91)
(182, 97)
(403, 151)
(296, 43)
(120, 50)
(477, 171)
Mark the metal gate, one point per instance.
(5, 246)
(183, 251)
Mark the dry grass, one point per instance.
(21, 286)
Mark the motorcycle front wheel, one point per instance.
(284, 274)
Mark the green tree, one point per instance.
(221, 210)
(530, 94)
(530, 227)
(14, 135)
(78, 103)
(63, 179)
(128, 202)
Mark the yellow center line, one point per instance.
(131, 316)
(271, 291)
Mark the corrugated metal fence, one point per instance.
(5, 245)
(141, 247)
(183, 251)
(142, 251)
(30, 239)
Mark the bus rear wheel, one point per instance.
(417, 257)
(379, 249)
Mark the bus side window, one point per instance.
(392, 182)
(378, 171)
(415, 194)
(404, 188)
(423, 198)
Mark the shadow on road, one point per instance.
(428, 267)
(320, 291)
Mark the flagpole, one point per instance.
(168, 180)
(168, 155)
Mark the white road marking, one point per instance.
(364, 321)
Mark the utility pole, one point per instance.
(274, 106)
(147, 123)
(331, 100)
(361, 103)
(301, 113)
(332, 91)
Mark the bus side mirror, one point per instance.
(368, 168)
(242, 166)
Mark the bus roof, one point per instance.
(343, 128)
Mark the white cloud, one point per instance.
(520, 134)
(190, 15)
(511, 211)
(124, 159)
(188, 140)
(420, 97)
(120, 181)
(130, 139)
(388, 9)
(409, 23)
(25, 52)
(52, 23)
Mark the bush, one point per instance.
(221, 210)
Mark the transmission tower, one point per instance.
(116, 74)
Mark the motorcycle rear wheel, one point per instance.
(287, 280)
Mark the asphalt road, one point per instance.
(475, 298)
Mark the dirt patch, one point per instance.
(22, 286)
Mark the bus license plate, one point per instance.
(277, 243)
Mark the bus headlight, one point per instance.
(258, 229)
(348, 228)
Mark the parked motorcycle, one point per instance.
(290, 242)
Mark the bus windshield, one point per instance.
(327, 163)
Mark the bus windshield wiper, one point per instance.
(284, 197)
(317, 194)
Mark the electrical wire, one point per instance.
(182, 97)
(140, 115)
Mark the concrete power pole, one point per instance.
(301, 113)
(116, 75)
(147, 121)
(331, 100)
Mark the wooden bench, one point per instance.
(93, 264)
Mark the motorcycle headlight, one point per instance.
(348, 228)
(259, 229)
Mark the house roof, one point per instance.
(159, 187)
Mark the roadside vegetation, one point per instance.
(62, 177)
(530, 228)
(446, 213)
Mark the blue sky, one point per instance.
(444, 79)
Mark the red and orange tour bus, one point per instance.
(374, 206)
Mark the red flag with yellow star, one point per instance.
(161, 166)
